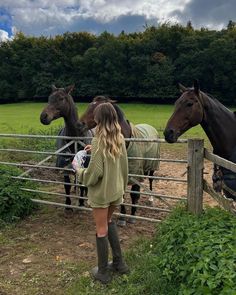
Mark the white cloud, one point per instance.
(4, 36)
(106, 10)
(49, 17)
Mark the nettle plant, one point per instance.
(197, 255)
(14, 202)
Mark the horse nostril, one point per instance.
(43, 118)
(169, 135)
(168, 132)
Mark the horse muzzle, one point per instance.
(171, 136)
(44, 119)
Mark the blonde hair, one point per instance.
(108, 130)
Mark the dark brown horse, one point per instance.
(144, 150)
(61, 104)
(219, 123)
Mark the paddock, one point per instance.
(47, 250)
(192, 178)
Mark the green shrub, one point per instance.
(14, 202)
(188, 255)
(196, 255)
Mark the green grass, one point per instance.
(22, 118)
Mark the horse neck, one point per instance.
(217, 123)
(124, 124)
(71, 119)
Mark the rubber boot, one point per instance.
(118, 264)
(101, 272)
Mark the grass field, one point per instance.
(23, 118)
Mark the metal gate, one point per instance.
(165, 202)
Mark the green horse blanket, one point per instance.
(143, 150)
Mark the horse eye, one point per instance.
(189, 104)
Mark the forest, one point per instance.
(145, 66)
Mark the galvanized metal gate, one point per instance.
(167, 201)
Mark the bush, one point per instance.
(196, 255)
(14, 202)
(188, 255)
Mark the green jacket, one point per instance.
(105, 178)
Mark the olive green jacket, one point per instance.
(105, 178)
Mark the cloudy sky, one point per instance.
(51, 17)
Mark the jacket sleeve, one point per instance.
(91, 175)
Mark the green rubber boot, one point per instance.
(102, 272)
(117, 265)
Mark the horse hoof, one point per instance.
(150, 203)
(68, 212)
(131, 220)
(121, 222)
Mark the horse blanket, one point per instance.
(229, 177)
(143, 150)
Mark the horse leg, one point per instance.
(83, 193)
(134, 197)
(151, 199)
(121, 220)
(67, 190)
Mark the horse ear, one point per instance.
(196, 86)
(69, 89)
(182, 88)
(54, 88)
(112, 101)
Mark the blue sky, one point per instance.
(5, 21)
(51, 17)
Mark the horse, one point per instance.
(61, 104)
(195, 107)
(134, 149)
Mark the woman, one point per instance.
(106, 178)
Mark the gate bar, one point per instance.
(84, 198)
(89, 209)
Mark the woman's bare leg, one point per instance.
(100, 216)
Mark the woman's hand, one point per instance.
(88, 148)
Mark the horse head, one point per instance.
(88, 117)
(188, 112)
(59, 105)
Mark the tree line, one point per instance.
(144, 66)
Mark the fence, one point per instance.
(195, 182)
(166, 201)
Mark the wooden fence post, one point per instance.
(195, 175)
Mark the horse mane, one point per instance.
(217, 102)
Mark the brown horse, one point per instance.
(134, 149)
(219, 123)
(61, 104)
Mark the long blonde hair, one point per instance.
(108, 130)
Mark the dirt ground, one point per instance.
(49, 250)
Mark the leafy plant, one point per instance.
(14, 202)
(197, 255)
